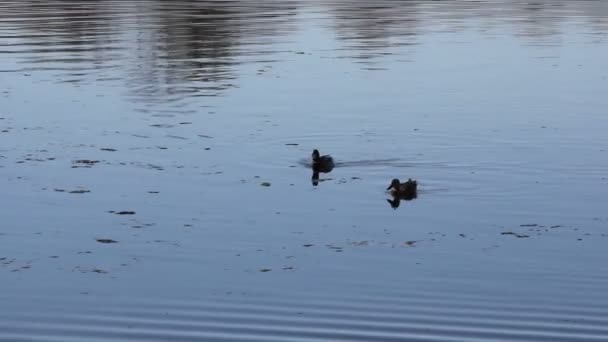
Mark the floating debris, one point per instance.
(410, 243)
(122, 212)
(308, 245)
(529, 225)
(106, 241)
(519, 236)
(108, 149)
(149, 166)
(360, 243)
(176, 137)
(334, 248)
(86, 163)
(82, 191)
(265, 184)
(266, 270)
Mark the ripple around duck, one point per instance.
(306, 162)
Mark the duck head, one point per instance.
(316, 156)
(394, 184)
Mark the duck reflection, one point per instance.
(395, 202)
(316, 171)
(315, 178)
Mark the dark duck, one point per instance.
(322, 163)
(406, 191)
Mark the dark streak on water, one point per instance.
(173, 113)
(307, 162)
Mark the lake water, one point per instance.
(138, 140)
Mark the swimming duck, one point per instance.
(407, 190)
(322, 163)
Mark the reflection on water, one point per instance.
(162, 50)
(370, 29)
(396, 199)
(166, 50)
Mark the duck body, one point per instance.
(407, 190)
(322, 163)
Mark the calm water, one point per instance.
(178, 111)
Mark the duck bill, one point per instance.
(390, 187)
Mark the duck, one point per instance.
(322, 163)
(407, 190)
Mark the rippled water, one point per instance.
(174, 113)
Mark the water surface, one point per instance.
(178, 111)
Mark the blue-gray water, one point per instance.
(497, 108)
